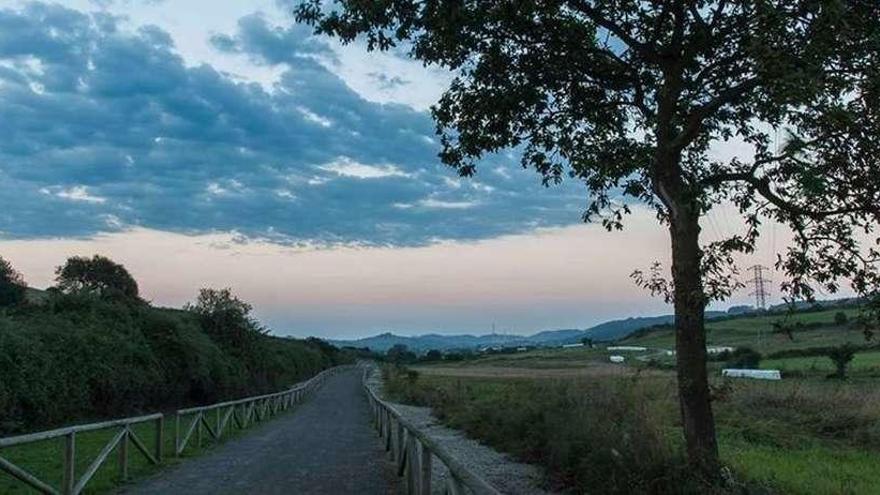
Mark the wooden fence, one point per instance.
(414, 451)
(242, 413)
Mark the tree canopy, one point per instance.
(596, 89)
(12, 284)
(97, 275)
(227, 319)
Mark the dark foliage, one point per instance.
(815, 351)
(12, 285)
(400, 354)
(841, 357)
(79, 357)
(629, 97)
(98, 276)
(743, 357)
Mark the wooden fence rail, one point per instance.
(242, 413)
(414, 451)
(70, 485)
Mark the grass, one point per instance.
(863, 364)
(44, 459)
(758, 332)
(622, 434)
(809, 470)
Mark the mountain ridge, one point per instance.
(603, 332)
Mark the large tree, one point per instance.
(97, 275)
(629, 97)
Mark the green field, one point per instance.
(758, 332)
(804, 435)
(864, 363)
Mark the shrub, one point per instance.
(744, 357)
(82, 357)
(12, 285)
(840, 318)
(591, 437)
(841, 356)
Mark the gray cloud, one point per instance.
(104, 129)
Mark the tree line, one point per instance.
(90, 347)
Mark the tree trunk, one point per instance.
(690, 342)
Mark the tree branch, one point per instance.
(643, 49)
(695, 120)
(762, 186)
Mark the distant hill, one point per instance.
(604, 332)
(608, 331)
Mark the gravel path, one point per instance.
(326, 446)
(499, 470)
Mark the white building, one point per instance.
(756, 374)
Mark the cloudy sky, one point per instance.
(207, 143)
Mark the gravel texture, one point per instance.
(325, 446)
(499, 470)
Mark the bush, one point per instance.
(841, 357)
(12, 285)
(744, 357)
(840, 318)
(81, 357)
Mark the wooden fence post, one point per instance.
(177, 451)
(69, 475)
(160, 438)
(411, 461)
(199, 421)
(425, 465)
(123, 454)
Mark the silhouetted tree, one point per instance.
(227, 319)
(842, 356)
(96, 275)
(628, 97)
(12, 285)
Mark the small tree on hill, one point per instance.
(97, 275)
(12, 285)
(842, 356)
(629, 97)
(227, 319)
(840, 318)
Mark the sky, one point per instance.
(219, 144)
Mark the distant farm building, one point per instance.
(718, 349)
(627, 348)
(756, 374)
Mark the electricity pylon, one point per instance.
(762, 290)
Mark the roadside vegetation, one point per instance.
(598, 427)
(91, 348)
